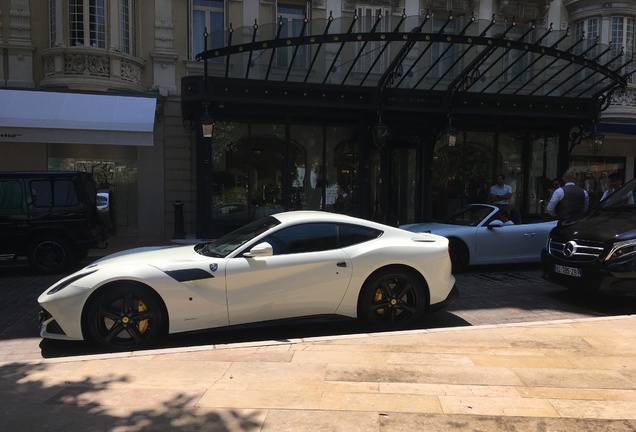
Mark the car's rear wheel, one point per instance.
(125, 317)
(50, 254)
(392, 299)
(459, 255)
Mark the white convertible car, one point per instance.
(478, 236)
(287, 265)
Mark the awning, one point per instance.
(619, 128)
(458, 66)
(73, 118)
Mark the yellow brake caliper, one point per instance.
(143, 324)
(378, 299)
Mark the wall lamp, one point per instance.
(449, 135)
(593, 139)
(207, 125)
(595, 142)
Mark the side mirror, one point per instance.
(260, 250)
(495, 224)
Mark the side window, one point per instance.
(64, 194)
(10, 195)
(41, 193)
(354, 234)
(60, 193)
(304, 238)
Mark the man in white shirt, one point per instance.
(616, 182)
(500, 194)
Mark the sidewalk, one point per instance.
(568, 375)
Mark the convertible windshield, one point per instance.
(228, 243)
(622, 198)
(470, 216)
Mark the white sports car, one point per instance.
(287, 265)
(478, 236)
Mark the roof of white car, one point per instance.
(314, 215)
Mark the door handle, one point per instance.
(529, 234)
(342, 264)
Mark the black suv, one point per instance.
(52, 217)
(597, 252)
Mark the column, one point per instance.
(20, 47)
(164, 56)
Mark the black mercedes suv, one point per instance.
(598, 251)
(52, 218)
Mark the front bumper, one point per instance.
(614, 278)
(50, 329)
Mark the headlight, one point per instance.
(60, 286)
(621, 250)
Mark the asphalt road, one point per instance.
(489, 295)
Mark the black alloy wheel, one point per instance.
(126, 317)
(392, 299)
(50, 254)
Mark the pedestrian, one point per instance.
(569, 200)
(616, 182)
(500, 194)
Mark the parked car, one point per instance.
(478, 236)
(598, 251)
(287, 265)
(52, 217)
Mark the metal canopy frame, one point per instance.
(453, 59)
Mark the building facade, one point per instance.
(119, 88)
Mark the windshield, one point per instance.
(228, 243)
(470, 216)
(622, 198)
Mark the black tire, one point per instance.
(391, 299)
(459, 255)
(126, 317)
(50, 254)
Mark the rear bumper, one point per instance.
(449, 300)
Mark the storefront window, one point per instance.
(462, 174)
(343, 155)
(542, 170)
(113, 167)
(509, 162)
(593, 172)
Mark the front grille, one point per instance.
(575, 250)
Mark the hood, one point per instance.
(155, 256)
(601, 226)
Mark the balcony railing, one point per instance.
(85, 68)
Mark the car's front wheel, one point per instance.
(125, 317)
(392, 299)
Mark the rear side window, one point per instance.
(59, 193)
(354, 234)
(10, 195)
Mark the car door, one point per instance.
(508, 243)
(307, 275)
(14, 219)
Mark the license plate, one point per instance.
(570, 271)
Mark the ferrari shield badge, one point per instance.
(214, 267)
